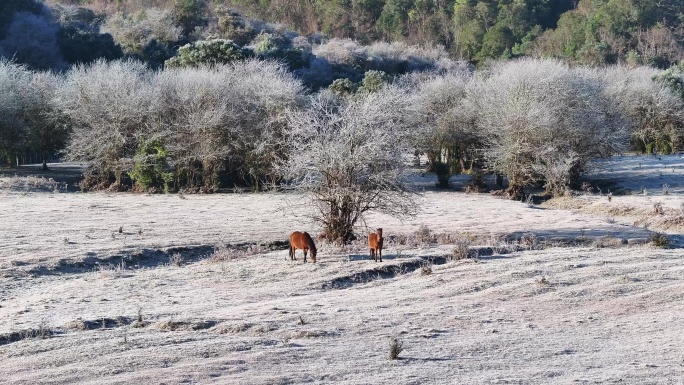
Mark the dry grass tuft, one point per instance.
(426, 269)
(658, 209)
(396, 347)
(659, 240)
(176, 259)
(460, 250)
(529, 241)
(31, 184)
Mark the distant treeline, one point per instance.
(56, 34)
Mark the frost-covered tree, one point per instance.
(107, 105)
(13, 80)
(347, 155)
(543, 122)
(653, 106)
(45, 129)
(449, 136)
(223, 120)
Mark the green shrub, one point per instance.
(149, 165)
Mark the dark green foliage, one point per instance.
(343, 86)
(443, 172)
(150, 167)
(190, 14)
(8, 8)
(278, 47)
(373, 81)
(155, 54)
(207, 52)
(85, 45)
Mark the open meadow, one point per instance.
(125, 288)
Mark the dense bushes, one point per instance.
(542, 122)
(538, 122)
(181, 128)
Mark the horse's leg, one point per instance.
(305, 251)
(380, 252)
(291, 253)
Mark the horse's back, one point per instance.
(300, 239)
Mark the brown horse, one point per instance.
(302, 240)
(375, 244)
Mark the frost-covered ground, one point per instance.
(90, 293)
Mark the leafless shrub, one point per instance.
(461, 249)
(666, 189)
(529, 241)
(658, 209)
(659, 240)
(176, 259)
(31, 184)
(423, 235)
(396, 347)
(426, 269)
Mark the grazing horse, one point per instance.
(375, 244)
(302, 240)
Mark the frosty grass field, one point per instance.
(198, 289)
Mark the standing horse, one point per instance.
(302, 240)
(375, 244)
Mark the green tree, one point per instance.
(206, 52)
(189, 14)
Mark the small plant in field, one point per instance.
(301, 320)
(587, 188)
(461, 249)
(120, 229)
(396, 347)
(529, 240)
(426, 269)
(423, 234)
(543, 280)
(140, 316)
(666, 189)
(658, 209)
(223, 254)
(659, 240)
(176, 259)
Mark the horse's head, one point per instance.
(379, 231)
(313, 254)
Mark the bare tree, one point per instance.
(543, 122)
(348, 156)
